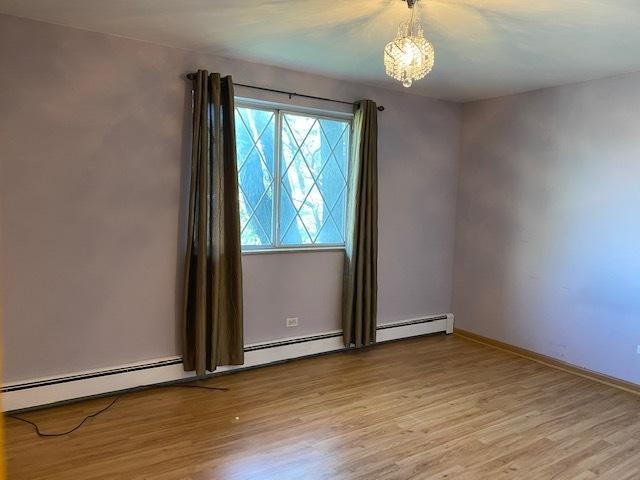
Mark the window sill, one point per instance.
(265, 251)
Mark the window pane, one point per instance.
(255, 147)
(313, 175)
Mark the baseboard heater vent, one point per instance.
(85, 376)
(416, 321)
(291, 341)
(58, 389)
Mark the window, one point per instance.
(292, 173)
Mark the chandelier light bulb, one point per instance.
(409, 56)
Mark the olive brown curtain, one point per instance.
(212, 314)
(359, 295)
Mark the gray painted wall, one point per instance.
(94, 134)
(548, 230)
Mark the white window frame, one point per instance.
(280, 109)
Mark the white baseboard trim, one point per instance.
(50, 390)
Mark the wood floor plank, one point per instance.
(438, 407)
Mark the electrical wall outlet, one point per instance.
(638, 349)
(292, 322)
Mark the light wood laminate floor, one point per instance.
(427, 408)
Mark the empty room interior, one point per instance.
(304, 240)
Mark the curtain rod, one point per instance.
(191, 76)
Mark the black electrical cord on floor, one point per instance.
(95, 414)
(222, 389)
(62, 434)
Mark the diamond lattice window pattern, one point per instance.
(255, 148)
(292, 179)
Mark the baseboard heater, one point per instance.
(60, 389)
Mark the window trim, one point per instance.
(304, 249)
(279, 110)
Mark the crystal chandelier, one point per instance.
(409, 56)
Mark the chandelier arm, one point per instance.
(411, 21)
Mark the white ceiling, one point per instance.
(484, 48)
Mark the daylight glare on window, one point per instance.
(292, 173)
